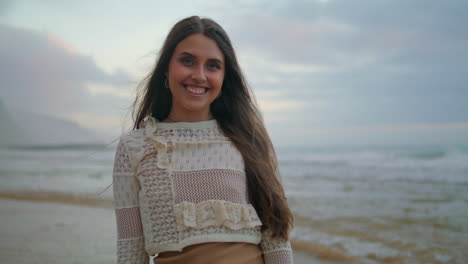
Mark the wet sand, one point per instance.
(44, 231)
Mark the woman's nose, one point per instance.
(199, 75)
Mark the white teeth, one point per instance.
(195, 90)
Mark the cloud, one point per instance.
(41, 72)
(291, 40)
(373, 62)
(397, 127)
(5, 7)
(97, 89)
(279, 105)
(310, 63)
(412, 35)
(391, 134)
(105, 124)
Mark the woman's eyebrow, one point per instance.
(217, 61)
(185, 53)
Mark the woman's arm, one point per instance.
(130, 240)
(276, 251)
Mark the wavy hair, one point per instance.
(237, 115)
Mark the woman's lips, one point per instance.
(195, 90)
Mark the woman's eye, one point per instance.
(214, 66)
(186, 61)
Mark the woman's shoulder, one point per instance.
(138, 135)
(133, 143)
(133, 137)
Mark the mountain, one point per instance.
(10, 132)
(24, 128)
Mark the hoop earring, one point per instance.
(165, 83)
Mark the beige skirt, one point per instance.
(213, 253)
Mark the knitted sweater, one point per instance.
(180, 184)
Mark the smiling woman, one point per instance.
(196, 73)
(196, 181)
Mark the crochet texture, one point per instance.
(179, 184)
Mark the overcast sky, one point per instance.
(340, 72)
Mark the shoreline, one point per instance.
(88, 199)
(55, 224)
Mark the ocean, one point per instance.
(362, 204)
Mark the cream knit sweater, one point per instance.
(179, 184)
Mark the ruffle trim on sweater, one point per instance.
(150, 128)
(215, 213)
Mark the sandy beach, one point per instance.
(47, 232)
(360, 205)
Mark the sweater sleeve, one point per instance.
(130, 239)
(275, 251)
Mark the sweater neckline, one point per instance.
(187, 125)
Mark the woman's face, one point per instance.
(195, 76)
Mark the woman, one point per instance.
(196, 181)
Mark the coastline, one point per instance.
(56, 227)
(362, 205)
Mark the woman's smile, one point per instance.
(196, 90)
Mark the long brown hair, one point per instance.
(237, 115)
